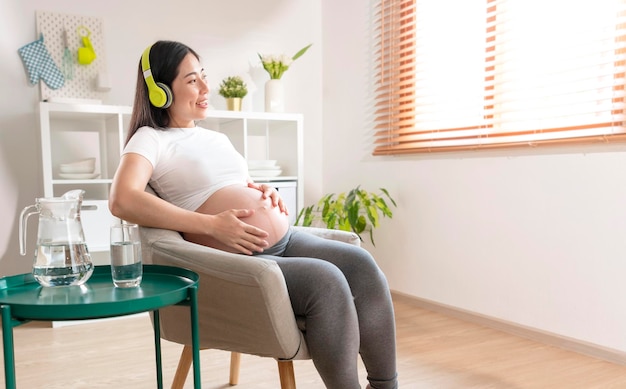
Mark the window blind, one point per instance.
(498, 73)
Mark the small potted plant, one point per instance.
(356, 211)
(233, 89)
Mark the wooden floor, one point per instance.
(434, 351)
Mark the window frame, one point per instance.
(395, 124)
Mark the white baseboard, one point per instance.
(564, 342)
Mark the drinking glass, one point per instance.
(126, 266)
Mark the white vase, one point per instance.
(274, 96)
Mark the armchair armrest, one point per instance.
(342, 236)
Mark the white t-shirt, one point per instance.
(190, 164)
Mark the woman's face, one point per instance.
(190, 94)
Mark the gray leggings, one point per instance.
(344, 297)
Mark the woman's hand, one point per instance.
(270, 192)
(234, 235)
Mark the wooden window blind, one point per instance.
(498, 73)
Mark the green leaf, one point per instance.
(344, 225)
(353, 214)
(331, 221)
(360, 225)
(363, 195)
(341, 198)
(308, 220)
(372, 214)
(306, 214)
(325, 200)
(389, 196)
(301, 52)
(325, 203)
(351, 196)
(382, 205)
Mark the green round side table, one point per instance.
(22, 299)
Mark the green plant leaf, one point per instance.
(372, 214)
(306, 214)
(360, 224)
(351, 196)
(301, 52)
(364, 196)
(389, 196)
(338, 207)
(344, 225)
(356, 211)
(331, 221)
(325, 204)
(382, 205)
(353, 214)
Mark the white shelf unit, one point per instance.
(71, 132)
(268, 136)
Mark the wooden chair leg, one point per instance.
(235, 362)
(186, 358)
(287, 378)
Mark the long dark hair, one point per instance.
(165, 58)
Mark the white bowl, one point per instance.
(265, 173)
(87, 165)
(262, 164)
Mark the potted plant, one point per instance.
(357, 210)
(233, 89)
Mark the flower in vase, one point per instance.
(276, 65)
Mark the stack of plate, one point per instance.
(263, 168)
(79, 170)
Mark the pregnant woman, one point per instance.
(205, 193)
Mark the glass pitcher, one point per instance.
(61, 255)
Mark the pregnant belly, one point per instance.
(266, 217)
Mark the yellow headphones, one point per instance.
(159, 93)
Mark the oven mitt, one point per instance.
(39, 64)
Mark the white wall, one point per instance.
(227, 35)
(535, 237)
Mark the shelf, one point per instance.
(274, 178)
(95, 111)
(224, 116)
(66, 181)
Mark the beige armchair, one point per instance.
(243, 303)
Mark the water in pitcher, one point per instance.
(60, 264)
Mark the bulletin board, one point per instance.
(81, 81)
